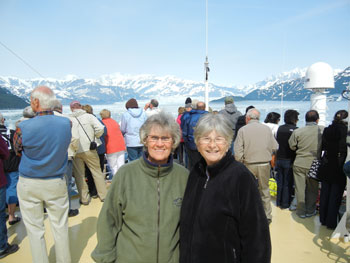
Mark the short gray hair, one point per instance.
(166, 122)
(56, 105)
(45, 95)
(253, 114)
(105, 114)
(213, 122)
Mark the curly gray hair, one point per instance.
(164, 121)
(213, 122)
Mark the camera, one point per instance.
(93, 145)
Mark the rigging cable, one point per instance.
(25, 62)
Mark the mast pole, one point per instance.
(206, 63)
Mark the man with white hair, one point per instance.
(254, 147)
(43, 143)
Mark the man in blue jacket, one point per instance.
(43, 143)
(187, 133)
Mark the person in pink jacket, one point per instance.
(115, 145)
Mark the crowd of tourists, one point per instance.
(189, 189)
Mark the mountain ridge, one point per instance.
(110, 88)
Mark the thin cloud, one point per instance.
(315, 12)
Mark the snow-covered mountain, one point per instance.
(117, 87)
(293, 87)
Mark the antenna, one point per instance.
(206, 63)
(283, 68)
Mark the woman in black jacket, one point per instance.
(333, 177)
(222, 216)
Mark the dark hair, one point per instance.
(272, 117)
(132, 103)
(311, 116)
(291, 117)
(154, 102)
(248, 108)
(340, 115)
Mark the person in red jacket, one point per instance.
(5, 248)
(115, 144)
(180, 148)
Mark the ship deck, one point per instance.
(293, 239)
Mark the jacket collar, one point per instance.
(217, 168)
(253, 121)
(311, 123)
(44, 112)
(156, 170)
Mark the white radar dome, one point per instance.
(319, 76)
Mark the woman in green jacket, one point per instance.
(139, 220)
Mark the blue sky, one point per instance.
(247, 41)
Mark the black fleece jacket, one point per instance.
(283, 134)
(334, 143)
(222, 218)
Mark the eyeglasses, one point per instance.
(217, 140)
(163, 139)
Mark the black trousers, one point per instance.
(330, 201)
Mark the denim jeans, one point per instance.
(3, 229)
(284, 180)
(11, 187)
(134, 153)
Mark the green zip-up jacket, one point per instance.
(307, 142)
(139, 220)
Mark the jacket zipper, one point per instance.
(206, 182)
(158, 222)
(234, 255)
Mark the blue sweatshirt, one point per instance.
(45, 141)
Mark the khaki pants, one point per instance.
(262, 173)
(32, 195)
(306, 191)
(93, 162)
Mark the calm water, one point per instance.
(265, 107)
